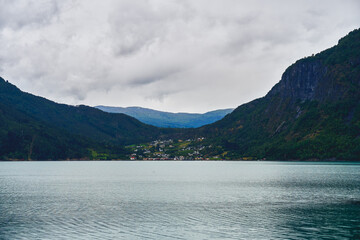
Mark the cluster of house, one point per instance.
(168, 150)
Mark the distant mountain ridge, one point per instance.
(168, 119)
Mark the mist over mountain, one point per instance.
(168, 119)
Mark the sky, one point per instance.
(170, 55)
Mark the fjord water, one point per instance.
(179, 200)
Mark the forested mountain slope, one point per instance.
(312, 113)
(33, 127)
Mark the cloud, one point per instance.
(29, 13)
(177, 55)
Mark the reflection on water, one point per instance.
(179, 200)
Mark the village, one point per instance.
(178, 150)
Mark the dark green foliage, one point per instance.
(23, 137)
(81, 120)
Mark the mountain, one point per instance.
(22, 137)
(168, 119)
(312, 113)
(48, 130)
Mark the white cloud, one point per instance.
(178, 55)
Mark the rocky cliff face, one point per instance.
(301, 81)
(329, 76)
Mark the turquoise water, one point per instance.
(179, 200)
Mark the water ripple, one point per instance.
(275, 201)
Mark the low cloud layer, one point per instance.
(180, 55)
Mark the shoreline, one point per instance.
(222, 160)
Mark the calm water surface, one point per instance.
(179, 200)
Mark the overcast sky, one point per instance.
(181, 55)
